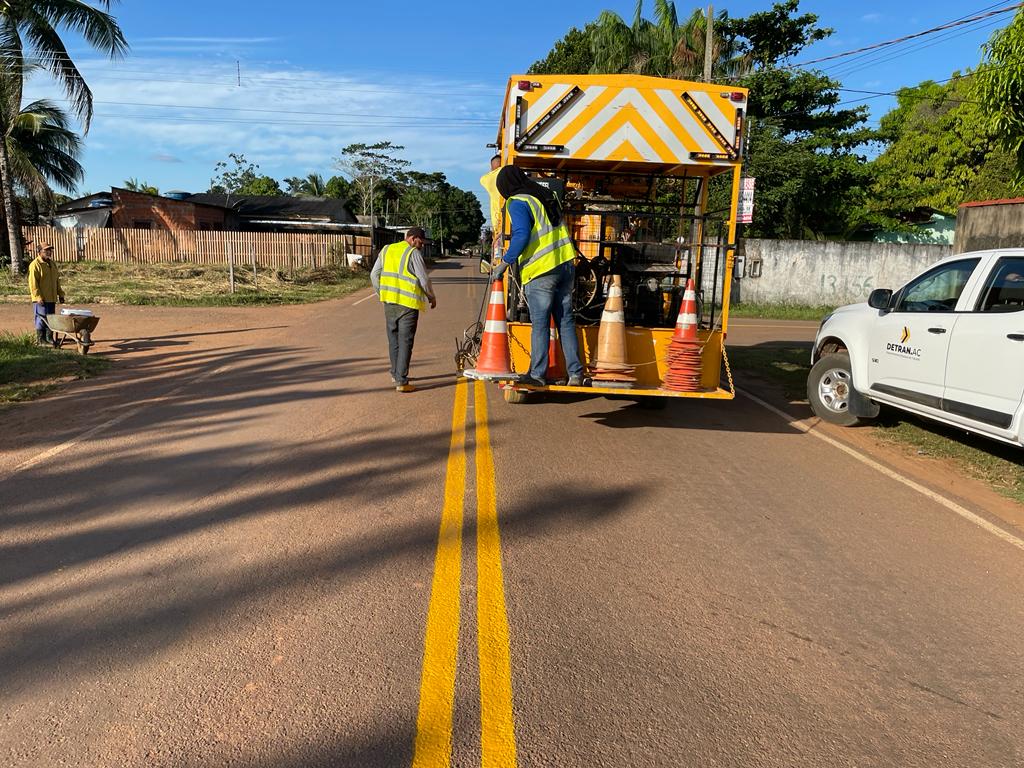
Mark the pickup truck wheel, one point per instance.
(829, 386)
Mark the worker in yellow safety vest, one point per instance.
(544, 252)
(400, 279)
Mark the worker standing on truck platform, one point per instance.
(489, 182)
(543, 249)
(44, 288)
(400, 279)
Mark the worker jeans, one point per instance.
(550, 295)
(401, 325)
(41, 311)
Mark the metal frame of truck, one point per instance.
(634, 159)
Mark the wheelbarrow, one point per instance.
(67, 327)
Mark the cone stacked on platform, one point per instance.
(556, 361)
(611, 364)
(494, 361)
(683, 362)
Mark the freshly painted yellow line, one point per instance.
(497, 729)
(440, 653)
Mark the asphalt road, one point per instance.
(242, 547)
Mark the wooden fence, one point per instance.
(284, 252)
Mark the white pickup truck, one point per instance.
(948, 345)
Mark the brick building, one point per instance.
(124, 209)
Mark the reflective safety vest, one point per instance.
(549, 246)
(398, 283)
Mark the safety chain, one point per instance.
(728, 368)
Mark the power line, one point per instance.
(905, 38)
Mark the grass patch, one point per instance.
(781, 311)
(28, 370)
(183, 285)
(997, 465)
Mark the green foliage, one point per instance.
(811, 182)
(999, 86)
(770, 37)
(371, 169)
(337, 187)
(28, 370)
(430, 201)
(237, 176)
(663, 47)
(572, 55)
(940, 151)
(310, 186)
(134, 185)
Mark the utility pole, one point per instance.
(709, 43)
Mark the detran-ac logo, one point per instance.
(903, 349)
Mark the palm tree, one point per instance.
(311, 186)
(30, 37)
(134, 185)
(663, 47)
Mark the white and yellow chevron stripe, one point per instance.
(622, 118)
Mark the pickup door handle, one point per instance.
(936, 330)
(1015, 336)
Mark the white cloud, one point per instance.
(871, 18)
(288, 121)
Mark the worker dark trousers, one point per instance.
(41, 311)
(401, 325)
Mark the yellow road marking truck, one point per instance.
(649, 174)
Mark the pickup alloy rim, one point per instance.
(834, 390)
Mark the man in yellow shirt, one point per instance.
(44, 287)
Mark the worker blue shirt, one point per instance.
(522, 226)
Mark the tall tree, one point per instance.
(572, 55)
(30, 31)
(940, 151)
(999, 85)
(662, 47)
(803, 146)
(238, 176)
(370, 168)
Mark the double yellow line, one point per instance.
(440, 655)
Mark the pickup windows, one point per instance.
(937, 290)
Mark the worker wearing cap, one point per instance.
(400, 278)
(44, 288)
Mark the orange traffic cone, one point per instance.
(684, 363)
(556, 361)
(611, 365)
(493, 361)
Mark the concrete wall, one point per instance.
(996, 224)
(825, 272)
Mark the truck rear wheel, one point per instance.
(830, 388)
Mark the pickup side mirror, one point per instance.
(880, 298)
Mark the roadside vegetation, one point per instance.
(997, 465)
(781, 311)
(28, 370)
(182, 284)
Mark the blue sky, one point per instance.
(317, 75)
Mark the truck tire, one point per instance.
(829, 386)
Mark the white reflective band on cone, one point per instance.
(497, 297)
(685, 320)
(613, 317)
(495, 326)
